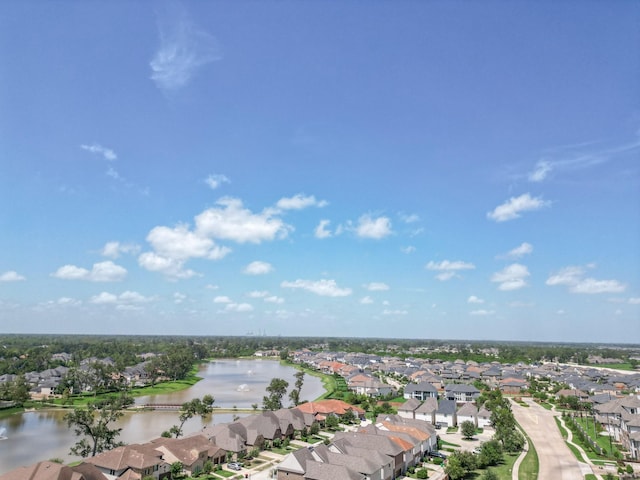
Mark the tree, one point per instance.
(490, 453)
(176, 469)
(294, 395)
(454, 468)
(349, 417)
(468, 429)
(332, 422)
(276, 390)
(189, 410)
(490, 475)
(94, 422)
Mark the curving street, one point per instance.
(555, 459)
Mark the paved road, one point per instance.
(556, 460)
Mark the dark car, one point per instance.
(438, 454)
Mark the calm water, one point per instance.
(35, 436)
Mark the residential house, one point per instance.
(446, 413)
(484, 418)
(420, 391)
(408, 408)
(460, 392)
(322, 408)
(379, 443)
(131, 460)
(467, 413)
(427, 411)
(54, 471)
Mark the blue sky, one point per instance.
(447, 170)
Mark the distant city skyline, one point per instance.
(436, 170)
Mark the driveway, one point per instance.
(555, 458)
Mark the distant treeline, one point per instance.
(26, 353)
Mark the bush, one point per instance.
(422, 473)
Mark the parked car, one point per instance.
(234, 466)
(438, 454)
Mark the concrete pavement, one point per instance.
(555, 459)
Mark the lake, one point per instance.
(41, 435)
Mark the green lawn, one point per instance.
(603, 441)
(503, 470)
(530, 466)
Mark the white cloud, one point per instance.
(394, 312)
(258, 268)
(125, 298)
(574, 278)
(376, 286)
(300, 201)
(233, 222)
(170, 267)
(366, 300)
(178, 298)
(376, 228)
(520, 251)
(512, 208)
(321, 230)
(212, 287)
(183, 50)
(408, 249)
(258, 294)
(325, 288)
(591, 285)
(474, 299)
(104, 298)
(11, 276)
(512, 277)
(68, 302)
(222, 299)
(274, 299)
(448, 269)
(104, 152)
(386, 302)
(214, 181)
(180, 243)
(115, 249)
(409, 218)
(542, 169)
(560, 312)
(482, 312)
(238, 307)
(100, 272)
(634, 300)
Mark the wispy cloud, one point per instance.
(474, 299)
(184, 48)
(376, 286)
(300, 201)
(512, 277)
(569, 158)
(115, 249)
(482, 312)
(375, 228)
(11, 276)
(324, 288)
(215, 180)
(518, 252)
(104, 152)
(321, 230)
(575, 278)
(100, 272)
(258, 268)
(448, 269)
(513, 207)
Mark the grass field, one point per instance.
(530, 466)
